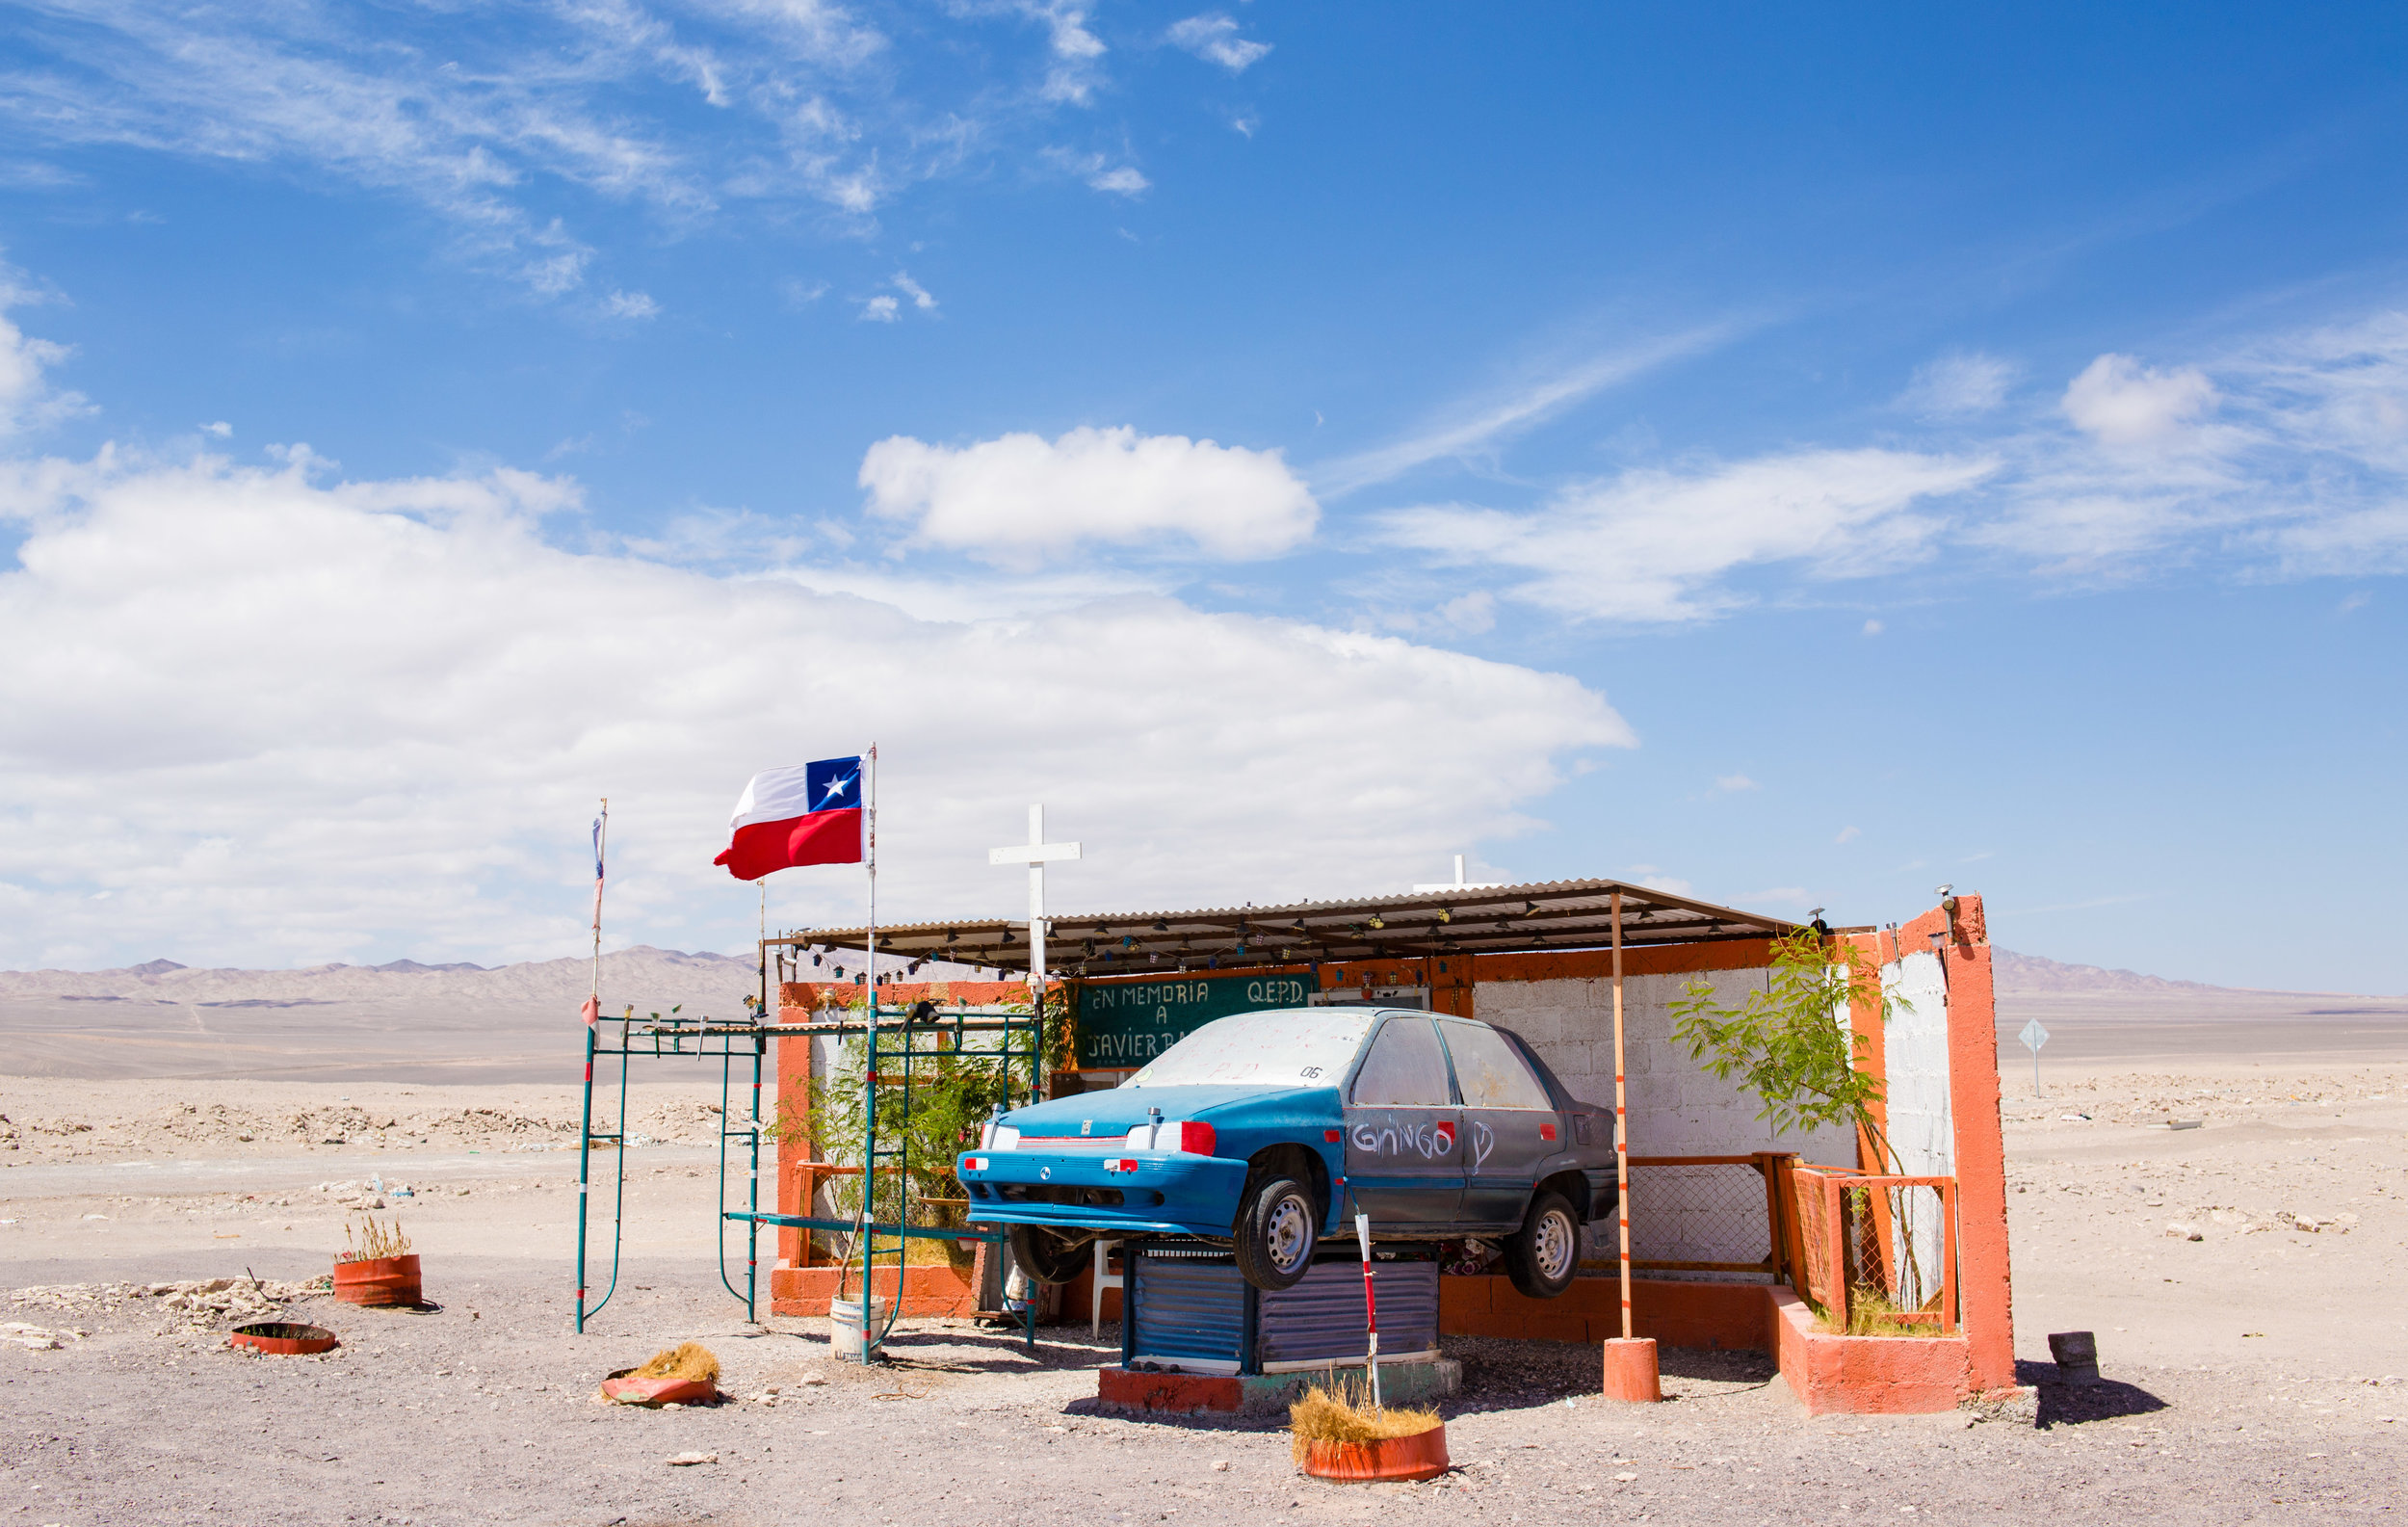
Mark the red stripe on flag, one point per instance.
(818, 838)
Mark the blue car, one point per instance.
(1268, 1131)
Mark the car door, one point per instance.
(1509, 1122)
(1404, 1158)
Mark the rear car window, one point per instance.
(1287, 1047)
(1405, 1068)
(1489, 1071)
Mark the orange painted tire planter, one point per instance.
(659, 1391)
(379, 1280)
(282, 1339)
(1421, 1456)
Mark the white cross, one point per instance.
(1034, 853)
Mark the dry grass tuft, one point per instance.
(376, 1243)
(690, 1361)
(1872, 1313)
(1345, 1413)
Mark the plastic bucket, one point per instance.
(846, 1337)
(379, 1280)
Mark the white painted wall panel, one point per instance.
(1923, 1129)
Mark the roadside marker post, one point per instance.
(2034, 1037)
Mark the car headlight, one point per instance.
(1188, 1136)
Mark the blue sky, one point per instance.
(1798, 456)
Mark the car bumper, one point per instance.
(1163, 1193)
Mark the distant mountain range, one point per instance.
(2030, 975)
(653, 977)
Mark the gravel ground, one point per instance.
(481, 1411)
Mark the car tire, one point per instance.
(1277, 1230)
(1544, 1255)
(1049, 1255)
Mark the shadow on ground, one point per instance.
(2064, 1404)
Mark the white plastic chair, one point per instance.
(1102, 1282)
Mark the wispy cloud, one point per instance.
(29, 399)
(1101, 173)
(1477, 426)
(2282, 457)
(1958, 384)
(1213, 37)
(482, 114)
(1660, 547)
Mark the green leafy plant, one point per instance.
(1791, 1044)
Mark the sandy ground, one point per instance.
(2255, 1373)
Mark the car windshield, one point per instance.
(1297, 1047)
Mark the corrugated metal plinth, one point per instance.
(1191, 1307)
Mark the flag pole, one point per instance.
(601, 841)
(594, 1024)
(869, 1101)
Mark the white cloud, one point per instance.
(1477, 426)
(1124, 181)
(2123, 403)
(280, 720)
(1213, 37)
(1470, 613)
(1073, 75)
(880, 310)
(1734, 784)
(1847, 835)
(1658, 547)
(1874, 628)
(630, 305)
(919, 295)
(28, 400)
(1958, 384)
(1102, 175)
(1021, 499)
(220, 430)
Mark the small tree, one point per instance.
(1791, 1044)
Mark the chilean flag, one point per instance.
(811, 815)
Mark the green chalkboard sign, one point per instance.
(1124, 1024)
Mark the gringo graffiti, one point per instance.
(1394, 1137)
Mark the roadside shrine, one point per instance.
(1729, 1224)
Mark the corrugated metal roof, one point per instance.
(1459, 919)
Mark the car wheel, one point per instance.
(1277, 1230)
(1048, 1256)
(1545, 1253)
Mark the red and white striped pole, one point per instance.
(1370, 1305)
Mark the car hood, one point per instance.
(1110, 1115)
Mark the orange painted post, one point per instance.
(1621, 1125)
(1835, 1222)
(1773, 1211)
(1948, 1257)
(1630, 1361)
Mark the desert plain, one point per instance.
(177, 1163)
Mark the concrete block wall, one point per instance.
(1676, 1107)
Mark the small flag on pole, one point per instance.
(598, 875)
(806, 815)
